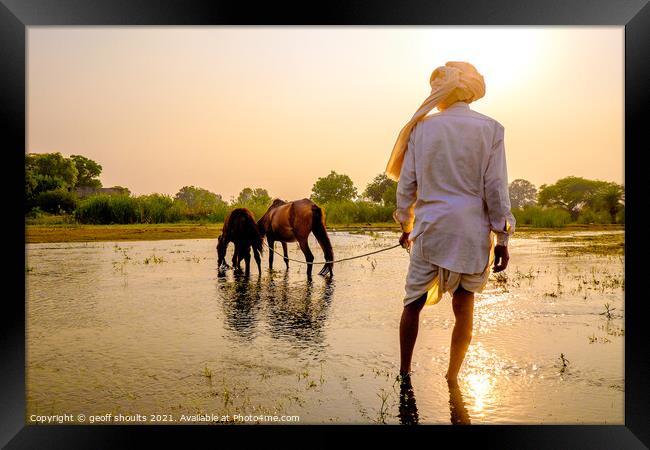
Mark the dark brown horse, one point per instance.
(293, 221)
(240, 228)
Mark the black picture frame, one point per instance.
(17, 15)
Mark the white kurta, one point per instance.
(453, 189)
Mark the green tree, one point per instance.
(199, 202)
(244, 196)
(377, 187)
(522, 193)
(609, 198)
(333, 187)
(570, 194)
(51, 171)
(47, 172)
(88, 171)
(255, 200)
(257, 195)
(57, 201)
(390, 195)
(122, 190)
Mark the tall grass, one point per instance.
(540, 217)
(156, 208)
(345, 212)
(108, 209)
(589, 216)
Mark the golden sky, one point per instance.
(224, 108)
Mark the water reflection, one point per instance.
(295, 311)
(298, 311)
(459, 413)
(408, 410)
(241, 304)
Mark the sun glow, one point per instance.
(504, 56)
(479, 385)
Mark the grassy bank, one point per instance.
(151, 232)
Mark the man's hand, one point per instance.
(404, 240)
(501, 258)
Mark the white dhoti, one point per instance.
(426, 277)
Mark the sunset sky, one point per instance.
(224, 108)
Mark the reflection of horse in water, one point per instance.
(298, 311)
(240, 228)
(294, 311)
(241, 305)
(293, 221)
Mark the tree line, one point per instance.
(71, 187)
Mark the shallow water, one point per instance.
(150, 328)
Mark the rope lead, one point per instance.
(335, 261)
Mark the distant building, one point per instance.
(86, 191)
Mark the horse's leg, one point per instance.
(236, 258)
(271, 245)
(286, 256)
(247, 260)
(309, 256)
(258, 260)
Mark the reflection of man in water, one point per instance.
(452, 192)
(408, 410)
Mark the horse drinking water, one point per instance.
(293, 221)
(240, 228)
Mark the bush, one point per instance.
(339, 211)
(589, 216)
(154, 208)
(347, 211)
(35, 213)
(107, 209)
(58, 201)
(175, 212)
(124, 209)
(219, 215)
(541, 217)
(258, 208)
(620, 216)
(94, 209)
(370, 212)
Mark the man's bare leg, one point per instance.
(408, 332)
(463, 305)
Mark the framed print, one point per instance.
(156, 134)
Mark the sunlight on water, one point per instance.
(479, 386)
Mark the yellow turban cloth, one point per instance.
(455, 81)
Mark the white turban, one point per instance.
(455, 81)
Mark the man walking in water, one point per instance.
(451, 195)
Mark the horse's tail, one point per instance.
(318, 228)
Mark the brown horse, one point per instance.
(240, 228)
(293, 221)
